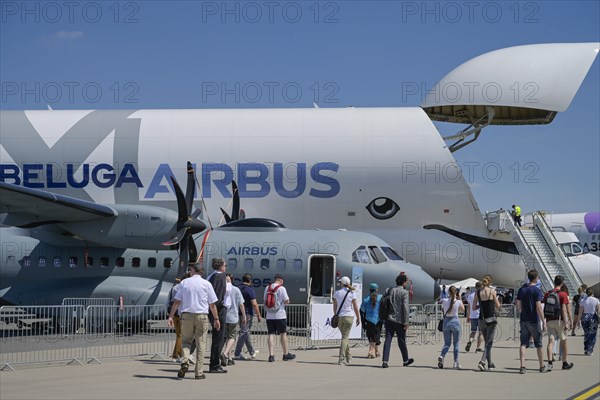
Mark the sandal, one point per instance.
(377, 354)
(370, 356)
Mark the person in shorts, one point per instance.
(235, 312)
(277, 319)
(529, 302)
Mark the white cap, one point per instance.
(345, 281)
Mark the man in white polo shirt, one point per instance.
(194, 298)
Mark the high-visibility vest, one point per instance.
(517, 211)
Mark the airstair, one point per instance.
(538, 248)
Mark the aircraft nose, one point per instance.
(436, 290)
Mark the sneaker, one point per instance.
(197, 377)
(271, 358)
(341, 361)
(440, 362)
(457, 365)
(182, 370)
(567, 365)
(573, 334)
(491, 367)
(481, 366)
(385, 365)
(223, 360)
(468, 346)
(478, 350)
(522, 370)
(179, 360)
(408, 362)
(545, 369)
(288, 357)
(230, 361)
(549, 366)
(240, 357)
(253, 355)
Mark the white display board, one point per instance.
(321, 324)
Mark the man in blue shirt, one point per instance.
(251, 308)
(529, 302)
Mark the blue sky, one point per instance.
(215, 54)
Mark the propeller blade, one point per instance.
(181, 207)
(197, 212)
(184, 255)
(177, 238)
(191, 188)
(235, 208)
(193, 249)
(227, 217)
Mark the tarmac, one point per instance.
(315, 374)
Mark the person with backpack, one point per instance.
(276, 298)
(557, 322)
(345, 306)
(369, 315)
(397, 320)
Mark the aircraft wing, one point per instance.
(27, 207)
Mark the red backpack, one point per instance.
(271, 302)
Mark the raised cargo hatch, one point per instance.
(525, 85)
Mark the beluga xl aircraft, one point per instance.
(360, 169)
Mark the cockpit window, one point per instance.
(361, 255)
(376, 254)
(576, 248)
(392, 254)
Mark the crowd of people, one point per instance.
(198, 303)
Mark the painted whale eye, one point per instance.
(383, 208)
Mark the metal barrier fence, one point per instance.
(71, 333)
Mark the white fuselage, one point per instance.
(307, 168)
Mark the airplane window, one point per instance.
(167, 262)
(567, 249)
(89, 262)
(360, 255)
(136, 262)
(26, 261)
(297, 264)
(120, 262)
(248, 263)
(264, 263)
(41, 261)
(377, 254)
(152, 262)
(57, 262)
(576, 248)
(73, 262)
(103, 262)
(281, 263)
(232, 263)
(392, 254)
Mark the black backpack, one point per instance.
(552, 305)
(385, 306)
